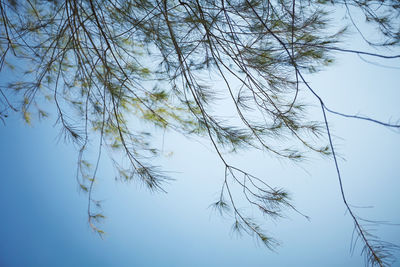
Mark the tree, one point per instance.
(108, 64)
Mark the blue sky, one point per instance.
(43, 214)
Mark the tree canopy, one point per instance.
(106, 65)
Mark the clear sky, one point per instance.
(43, 215)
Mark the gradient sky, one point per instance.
(43, 215)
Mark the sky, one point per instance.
(44, 215)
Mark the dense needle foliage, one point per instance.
(106, 64)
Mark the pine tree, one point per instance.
(107, 64)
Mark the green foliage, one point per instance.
(107, 64)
